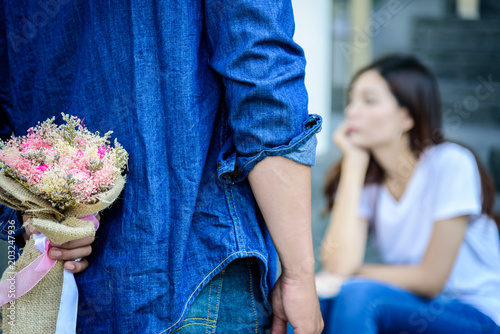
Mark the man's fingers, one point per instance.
(76, 266)
(33, 230)
(75, 243)
(29, 230)
(26, 218)
(67, 251)
(69, 254)
(279, 326)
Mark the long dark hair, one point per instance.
(416, 88)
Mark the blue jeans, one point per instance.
(366, 306)
(231, 302)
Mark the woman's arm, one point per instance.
(429, 277)
(343, 247)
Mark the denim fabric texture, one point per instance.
(198, 92)
(370, 307)
(231, 303)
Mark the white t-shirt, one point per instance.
(445, 184)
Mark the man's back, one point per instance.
(196, 92)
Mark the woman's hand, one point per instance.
(68, 251)
(341, 138)
(328, 284)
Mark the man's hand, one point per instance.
(68, 251)
(294, 300)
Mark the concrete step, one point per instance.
(471, 102)
(458, 50)
(461, 66)
(456, 35)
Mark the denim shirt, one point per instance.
(198, 92)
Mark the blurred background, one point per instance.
(459, 40)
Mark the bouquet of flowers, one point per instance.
(62, 176)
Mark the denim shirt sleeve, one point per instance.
(251, 46)
(302, 154)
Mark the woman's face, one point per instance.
(373, 115)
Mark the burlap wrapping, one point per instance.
(36, 311)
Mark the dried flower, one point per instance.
(64, 164)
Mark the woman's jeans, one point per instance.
(366, 306)
(231, 302)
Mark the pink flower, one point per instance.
(49, 143)
(102, 152)
(42, 167)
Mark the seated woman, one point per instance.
(429, 203)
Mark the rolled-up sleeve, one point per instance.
(262, 68)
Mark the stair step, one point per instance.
(456, 35)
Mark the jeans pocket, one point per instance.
(242, 303)
(232, 302)
(202, 314)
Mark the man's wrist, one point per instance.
(300, 269)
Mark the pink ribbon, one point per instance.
(46, 262)
(22, 282)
